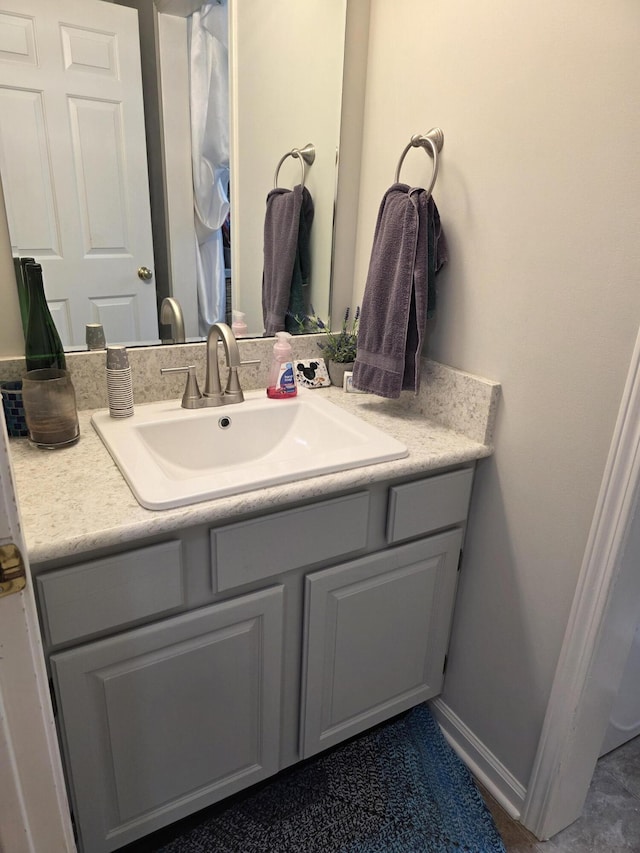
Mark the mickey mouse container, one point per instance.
(312, 373)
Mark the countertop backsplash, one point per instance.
(459, 401)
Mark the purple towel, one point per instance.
(408, 250)
(281, 234)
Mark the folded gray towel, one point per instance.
(408, 250)
(286, 235)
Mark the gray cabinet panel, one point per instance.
(416, 509)
(166, 719)
(107, 593)
(377, 631)
(263, 547)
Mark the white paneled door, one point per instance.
(73, 162)
(34, 814)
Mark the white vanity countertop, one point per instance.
(75, 500)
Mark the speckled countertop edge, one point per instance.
(75, 500)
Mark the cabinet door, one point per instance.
(376, 635)
(166, 719)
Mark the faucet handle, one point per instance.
(233, 391)
(191, 399)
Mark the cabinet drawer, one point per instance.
(427, 505)
(263, 547)
(113, 591)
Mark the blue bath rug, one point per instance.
(398, 788)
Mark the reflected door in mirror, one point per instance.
(73, 162)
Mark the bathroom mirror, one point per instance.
(283, 95)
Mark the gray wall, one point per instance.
(539, 194)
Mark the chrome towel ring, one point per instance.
(305, 155)
(432, 143)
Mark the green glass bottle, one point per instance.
(23, 295)
(43, 347)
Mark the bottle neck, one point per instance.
(35, 285)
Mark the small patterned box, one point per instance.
(14, 408)
(312, 373)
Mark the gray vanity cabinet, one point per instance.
(163, 720)
(376, 635)
(185, 670)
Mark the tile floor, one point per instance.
(610, 822)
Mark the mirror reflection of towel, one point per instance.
(287, 259)
(408, 250)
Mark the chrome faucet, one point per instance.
(171, 315)
(213, 394)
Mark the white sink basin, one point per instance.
(172, 456)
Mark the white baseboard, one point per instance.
(490, 772)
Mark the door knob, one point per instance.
(145, 273)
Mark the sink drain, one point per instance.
(224, 422)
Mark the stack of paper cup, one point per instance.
(119, 383)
